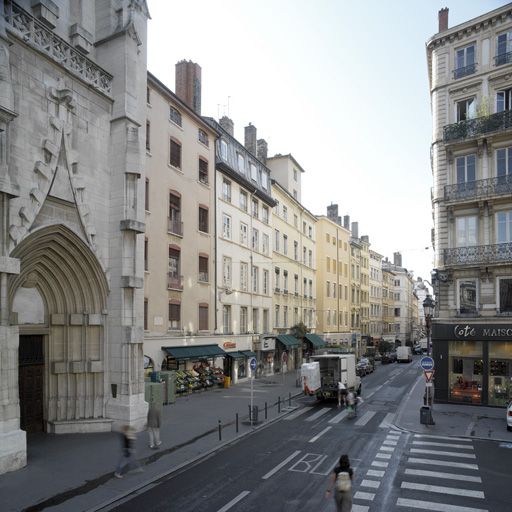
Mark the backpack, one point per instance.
(343, 482)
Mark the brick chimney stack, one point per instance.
(188, 84)
(397, 259)
(443, 19)
(227, 124)
(250, 139)
(262, 149)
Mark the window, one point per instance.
(310, 289)
(174, 265)
(148, 96)
(203, 269)
(175, 154)
(294, 194)
(310, 258)
(285, 244)
(295, 220)
(304, 253)
(226, 319)
(397, 311)
(296, 284)
(255, 239)
(466, 174)
(174, 316)
(202, 137)
(243, 233)
(264, 180)
(265, 282)
(464, 61)
(295, 316)
(285, 213)
(503, 48)
(203, 219)
(505, 291)
(265, 244)
(285, 281)
(504, 164)
(304, 225)
(255, 320)
(328, 264)
(241, 163)
(334, 290)
(243, 200)
(226, 226)
(254, 172)
(146, 314)
(504, 227)
(203, 317)
(327, 238)
(223, 149)
(265, 321)
(264, 214)
(467, 295)
(146, 255)
(226, 190)
(295, 250)
(277, 311)
(295, 174)
(243, 320)
(255, 208)
(328, 288)
(277, 282)
(285, 316)
(466, 233)
(174, 115)
(244, 276)
(466, 109)
(255, 279)
(277, 238)
(203, 171)
(310, 231)
(226, 272)
(146, 196)
(504, 100)
(148, 142)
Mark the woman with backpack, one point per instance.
(341, 481)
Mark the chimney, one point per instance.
(250, 139)
(188, 84)
(346, 221)
(332, 212)
(355, 229)
(365, 238)
(227, 124)
(443, 19)
(262, 149)
(397, 259)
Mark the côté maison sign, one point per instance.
(471, 331)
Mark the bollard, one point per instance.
(290, 399)
(237, 423)
(220, 431)
(250, 414)
(265, 410)
(278, 404)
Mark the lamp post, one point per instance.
(428, 309)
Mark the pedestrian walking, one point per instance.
(128, 458)
(341, 391)
(154, 421)
(351, 404)
(341, 481)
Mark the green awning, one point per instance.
(316, 340)
(193, 352)
(288, 341)
(235, 355)
(248, 353)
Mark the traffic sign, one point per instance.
(428, 375)
(427, 363)
(252, 364)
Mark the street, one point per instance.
(285, 466)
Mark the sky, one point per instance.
(341, 85)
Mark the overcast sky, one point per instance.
(341, 85)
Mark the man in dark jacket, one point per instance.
(154, 420)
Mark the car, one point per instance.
(417, 349)
(388, 357)
(378, 356)
(509, 416)
(362, 368)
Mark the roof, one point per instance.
(288, 341)
(315, 340)
(290, 156)
(193, 352)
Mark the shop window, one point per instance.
(500, 373)
(466, 371)
(467, 296)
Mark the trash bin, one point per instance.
(426, 415)
(227, 381)
(253, 414)
(155, 377)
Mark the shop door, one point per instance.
(31, 372)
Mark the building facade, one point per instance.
(471, 89)
(72, 112)
(376, 284)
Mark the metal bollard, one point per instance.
(220, 431)
(237, 423)
(278, 404)
(290, 399)
(265, 410)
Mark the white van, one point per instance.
(403, 355)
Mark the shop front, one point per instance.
(312, 343)
(473, 363)
(236, 364)
(267, 349)
(288, 353)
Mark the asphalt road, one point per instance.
(285, 466)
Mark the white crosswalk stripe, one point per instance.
(368, 415)
(388, 419)
(297, 413)
(317, 414)
(446, 445)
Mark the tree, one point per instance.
(385, 346)
(299, 330)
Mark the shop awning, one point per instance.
(288, 341)
(195, 352)
(248, 353)
(235, 355)
(315, 340)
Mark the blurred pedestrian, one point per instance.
(128, 458)
(154, 421)
(351, 404)
(341, 481)
(341, 391)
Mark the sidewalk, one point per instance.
(74, 472)
(451, 419)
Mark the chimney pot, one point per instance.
(250, 139)
(188, 84)
(443, 19)
(262, 149)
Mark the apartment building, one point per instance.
(365, 286)
(470, 80)
(179, 251)
(388, 304)
(376, 296)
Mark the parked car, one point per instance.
(417, 349)
(389, 357)
(378, 356)
(509, 416)
(364, 367)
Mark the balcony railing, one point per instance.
(174, 325)
(478, 126)
(498, 186)
(203, 277)
(503, 58)
(174, 282)
(464, 71)
(175, 227)
(479, 254)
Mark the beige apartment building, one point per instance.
(376, 297)
(365, 286)
(179, 287)
(388, 304)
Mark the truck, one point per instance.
(331, 369)
(424, 345)
(403, 354)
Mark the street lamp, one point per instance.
(428, 309)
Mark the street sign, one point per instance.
(427, 363)
(428, 375)
(252, 364)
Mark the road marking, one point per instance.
(375, 472)
(388, 442)
(370, 483)
(449, 476)
(387, 449)
(392, 438)
(320, 434)
(436, 507)
(339, 416)
(234, 501)
(317, 415)
(360, 508)
(448, 463)
(361, 422)
(428, 436)
(454, 491)
(379, 464)
(364, 496)
(439, 452)
(308, 463)
(446, 445)
(296, 414)
(282, 464)
(386, 456)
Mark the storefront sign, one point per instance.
(268, 344)
(470, 331)
(229, 344)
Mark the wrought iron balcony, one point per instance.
(203, 277)
(479, 254)
(175, 227)
(503, 58)
(478, 126)
(464, 71)
(498, 186)
(174, 282)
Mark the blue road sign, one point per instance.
(427, 363)
(252, 364)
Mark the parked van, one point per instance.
(403, 354)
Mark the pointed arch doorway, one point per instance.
(63, 364)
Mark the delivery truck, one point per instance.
(325, 371)
(403, 355)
